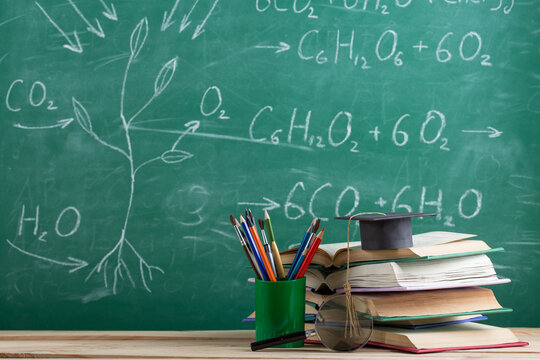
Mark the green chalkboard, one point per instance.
(130, 130)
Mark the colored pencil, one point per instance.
(302, 256)
(254, 248)
(304, 250)
(307, 235)
(294, 270)
(258, 243)
(312, 250)
(273, 245)
(267, 246)
(249, 255)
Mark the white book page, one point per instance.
(332, 248)
(424, 239)
(438, 237)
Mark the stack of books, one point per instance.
(424, 298)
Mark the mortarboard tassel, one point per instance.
(351, 320)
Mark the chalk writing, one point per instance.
(214, 90)
(75, 226)
(388, 7)
(469, 203)
(34, 219)
(284, 6)
(342, 124)
(38, 89)
(387, 49)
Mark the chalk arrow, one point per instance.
(74, 263)
(99, 31)
(191, 126)
(268, 204)
(283, 46)
(493, 133)
(199, 29)
(185, 23)
(60, 123)
(167, 19)
(73, 46)
(110, 12)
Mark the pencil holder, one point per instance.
(279, 309)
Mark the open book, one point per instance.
(440, 273)
(468, 335)
(426, 245)
(464, 336)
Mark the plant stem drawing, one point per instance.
(116, 256)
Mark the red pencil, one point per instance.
(309, 256)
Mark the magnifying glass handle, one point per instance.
(280, 340)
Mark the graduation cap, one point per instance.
(380, 231)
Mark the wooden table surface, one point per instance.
(232, 344)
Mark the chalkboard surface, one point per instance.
(130, 130)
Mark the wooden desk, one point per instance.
(213, 345)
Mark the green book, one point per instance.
(419, 317)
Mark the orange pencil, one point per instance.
(253, 230)
(309, 256)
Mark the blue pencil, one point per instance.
(294, 270)
(301, 248)
(254, 248)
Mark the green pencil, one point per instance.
(273, 245)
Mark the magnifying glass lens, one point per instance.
(338, 328)
(340, 332)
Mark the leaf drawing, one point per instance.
(175, 156)
(138, 37)
(82, 116)
(165, 76)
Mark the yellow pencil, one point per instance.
(274, 247)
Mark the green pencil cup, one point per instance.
(279, 309)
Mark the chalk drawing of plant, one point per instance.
(114, 259)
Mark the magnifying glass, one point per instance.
(335, 329)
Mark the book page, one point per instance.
(451, 336)
(453, 247)
(438, 237)
(332, 248)
(424, 239)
